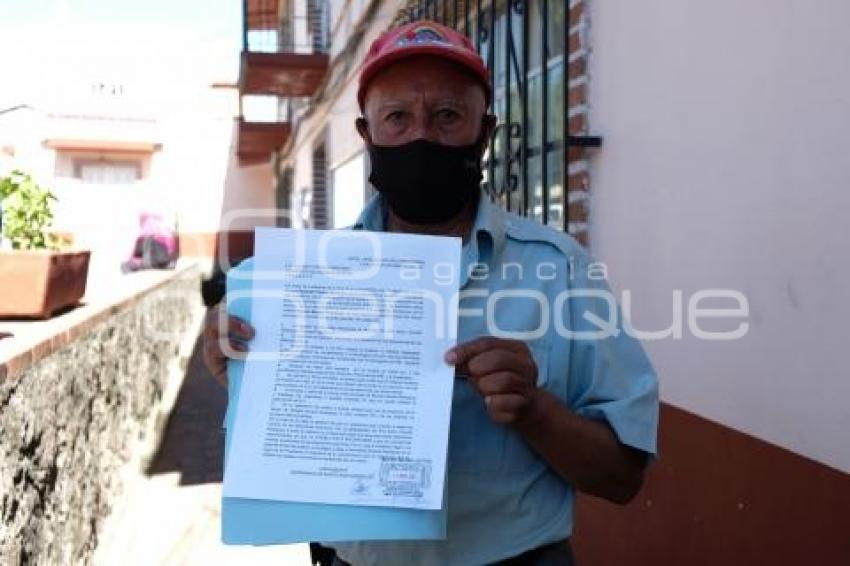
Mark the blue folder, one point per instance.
(255, 521)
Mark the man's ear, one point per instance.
(363, 129)
(488, 126)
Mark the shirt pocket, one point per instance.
(477, 445)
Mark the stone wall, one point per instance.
(73, 419)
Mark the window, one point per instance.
(523, 43)
(283, 194)
(526, 168)
(319, 199)
(107, 172)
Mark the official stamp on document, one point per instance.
(401, 477)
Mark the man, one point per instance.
(544, 402)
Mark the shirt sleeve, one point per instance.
(610, 376)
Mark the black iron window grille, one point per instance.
(524, 43)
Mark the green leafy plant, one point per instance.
(26, 212)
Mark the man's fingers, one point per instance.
(500, 383)
(239, 328)
(232, 348)
(505, 409)
(462, 353)
(217, 321)
(216, 351)
(222, 339)
(493, 361)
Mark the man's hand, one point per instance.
(219, 328)
(584, 452)
(503, 372)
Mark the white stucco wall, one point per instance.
(152, 96)
(249, 193)
(726, 126)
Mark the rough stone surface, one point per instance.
(71, 421)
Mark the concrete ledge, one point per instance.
(33, 340)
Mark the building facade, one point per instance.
(321, 163)
(707, 138)
(132, 130)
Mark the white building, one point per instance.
(133, 129)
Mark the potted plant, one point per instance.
(36, 278)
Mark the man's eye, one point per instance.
(447, 115)
(395, 116)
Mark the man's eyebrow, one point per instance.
(401, 104)
(392, 105)
(452, 100)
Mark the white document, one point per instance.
(346, 397)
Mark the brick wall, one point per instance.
(578, 178)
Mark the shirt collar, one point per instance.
(488, 229)
(489, 218)
(486, 239)
(373, 215)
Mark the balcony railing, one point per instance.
(284, 47)
(293, 26)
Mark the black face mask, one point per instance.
(426, 182)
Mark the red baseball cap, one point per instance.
(423, 37)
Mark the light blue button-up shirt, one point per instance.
(502, 498)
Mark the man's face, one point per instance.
(423, 98)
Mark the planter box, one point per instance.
(37, 283)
